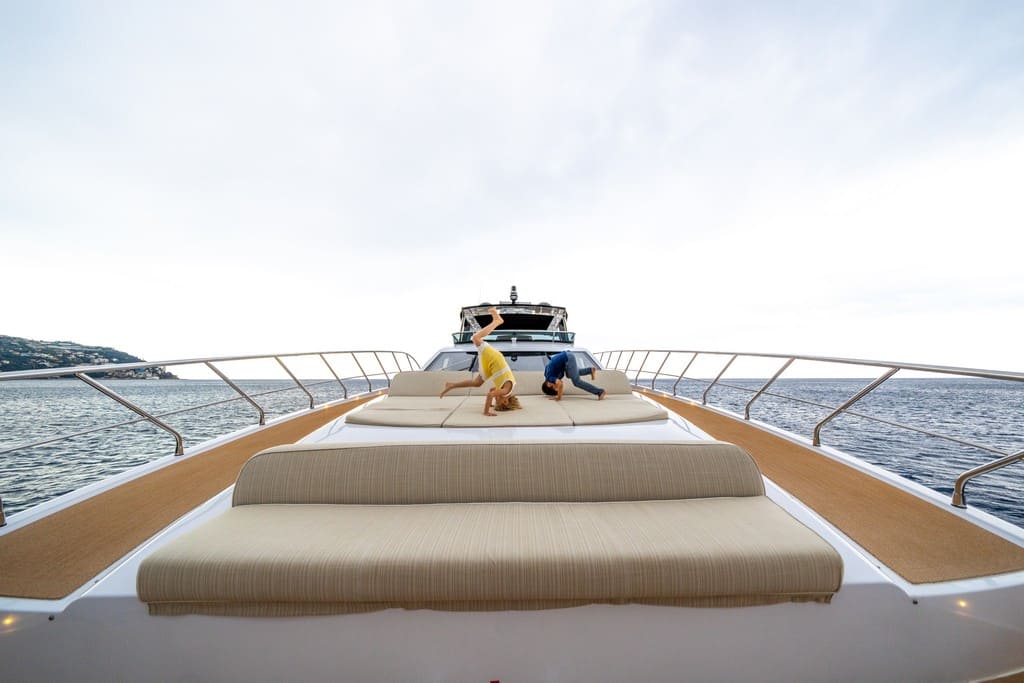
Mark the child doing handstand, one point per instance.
(494, 367)
(562, 364)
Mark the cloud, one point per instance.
(727, 174)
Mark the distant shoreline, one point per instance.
(21, 354)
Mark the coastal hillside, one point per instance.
(17, 353)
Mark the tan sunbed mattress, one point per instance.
(337, 528)
(315, 559)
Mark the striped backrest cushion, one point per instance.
(465, 472)
(528, 383)
(419, 383)
(423, 383)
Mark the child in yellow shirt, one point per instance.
(493, 367)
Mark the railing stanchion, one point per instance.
(343, 387)
(263, 417)
(296, 380)
(641, 368)
(658, 371)
(858, 396)
(960, 495)
(704, 396)
(386, 375)
(746, 408)
(369, 384)
(683, 373)
(179, 446)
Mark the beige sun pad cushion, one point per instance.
(612, 381)
(616, 409)
(399, 418)
(490, 556)
(406, 411)
(416, 403)
(537, 411)
(410, 473)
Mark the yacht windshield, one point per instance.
(517, 360)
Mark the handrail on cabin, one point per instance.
(82, 373)
(509, 334)
(891, 368)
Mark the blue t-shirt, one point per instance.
(555, 368)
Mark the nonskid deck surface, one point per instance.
(50, 558)
(916, 539)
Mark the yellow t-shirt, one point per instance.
(493, 366)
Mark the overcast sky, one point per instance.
(193, 179)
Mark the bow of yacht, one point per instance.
(399, 535)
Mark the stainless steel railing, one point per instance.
(83, 372)
(614, 360)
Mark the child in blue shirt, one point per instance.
(562, 364)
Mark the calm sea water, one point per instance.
(980, 411)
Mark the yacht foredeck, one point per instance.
(928, 545)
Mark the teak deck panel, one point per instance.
(918, 540)
(52, 557)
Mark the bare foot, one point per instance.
(448, 386)
(600, 397)
(490, 414)
(494, 314)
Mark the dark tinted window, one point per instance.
(517, 360)
(453, 360)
